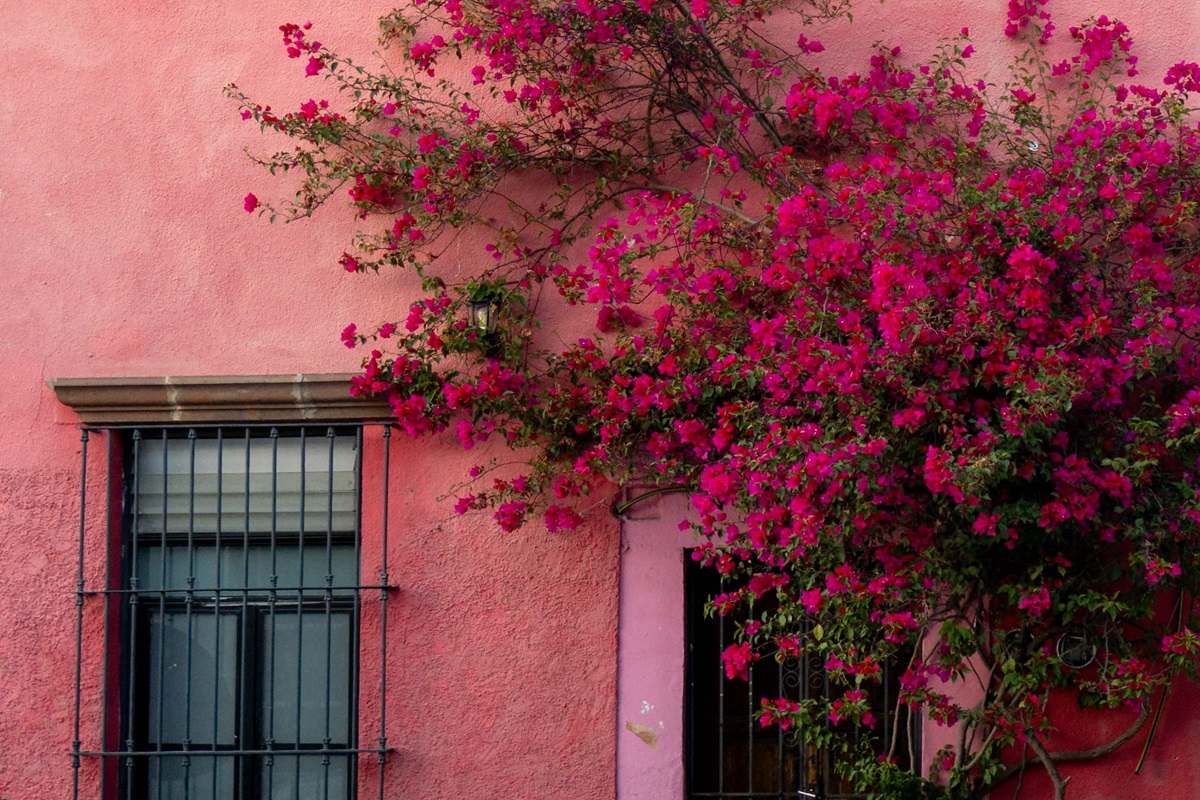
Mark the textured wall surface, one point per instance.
(124, 251)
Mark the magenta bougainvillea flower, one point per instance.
(921, 350)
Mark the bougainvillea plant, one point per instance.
(921, 348)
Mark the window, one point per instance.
(729, 754)
(227, 636)
(242, 562)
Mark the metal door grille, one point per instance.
(728, 753)
(220, 610)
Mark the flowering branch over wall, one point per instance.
(922, 347)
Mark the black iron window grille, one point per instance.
(728, 754)
(220, 651)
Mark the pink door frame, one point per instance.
(650, 665)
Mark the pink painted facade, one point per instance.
(128, 253)
(512, 673)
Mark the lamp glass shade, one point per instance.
(483, 315)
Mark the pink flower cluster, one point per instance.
(921, 350)
(294, 39)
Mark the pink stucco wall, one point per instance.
(124, 251)
(1171, 770)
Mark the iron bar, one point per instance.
(383, 598)
(189, 598)
(328, 617)
(750, 719)
(131, 623)
(284, 589)
(269, 761)
(802, 689)
(247, 714)
(245, 751)
(720, 706)
(888, 712)
(162, 613)
(780, 747)
(106, 610)
(826, 756)
(797, 793)
(216, 726)
(80, 585)
(300, 609)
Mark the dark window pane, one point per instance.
(245, 567)
(314, 779)
(185, 703)
(200, 778)
(291, 564)
(300, 648)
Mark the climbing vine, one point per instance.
(921, 347)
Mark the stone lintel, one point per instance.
(233, 399)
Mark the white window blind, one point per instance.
(259, 485)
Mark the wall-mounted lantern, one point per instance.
(485, 315)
